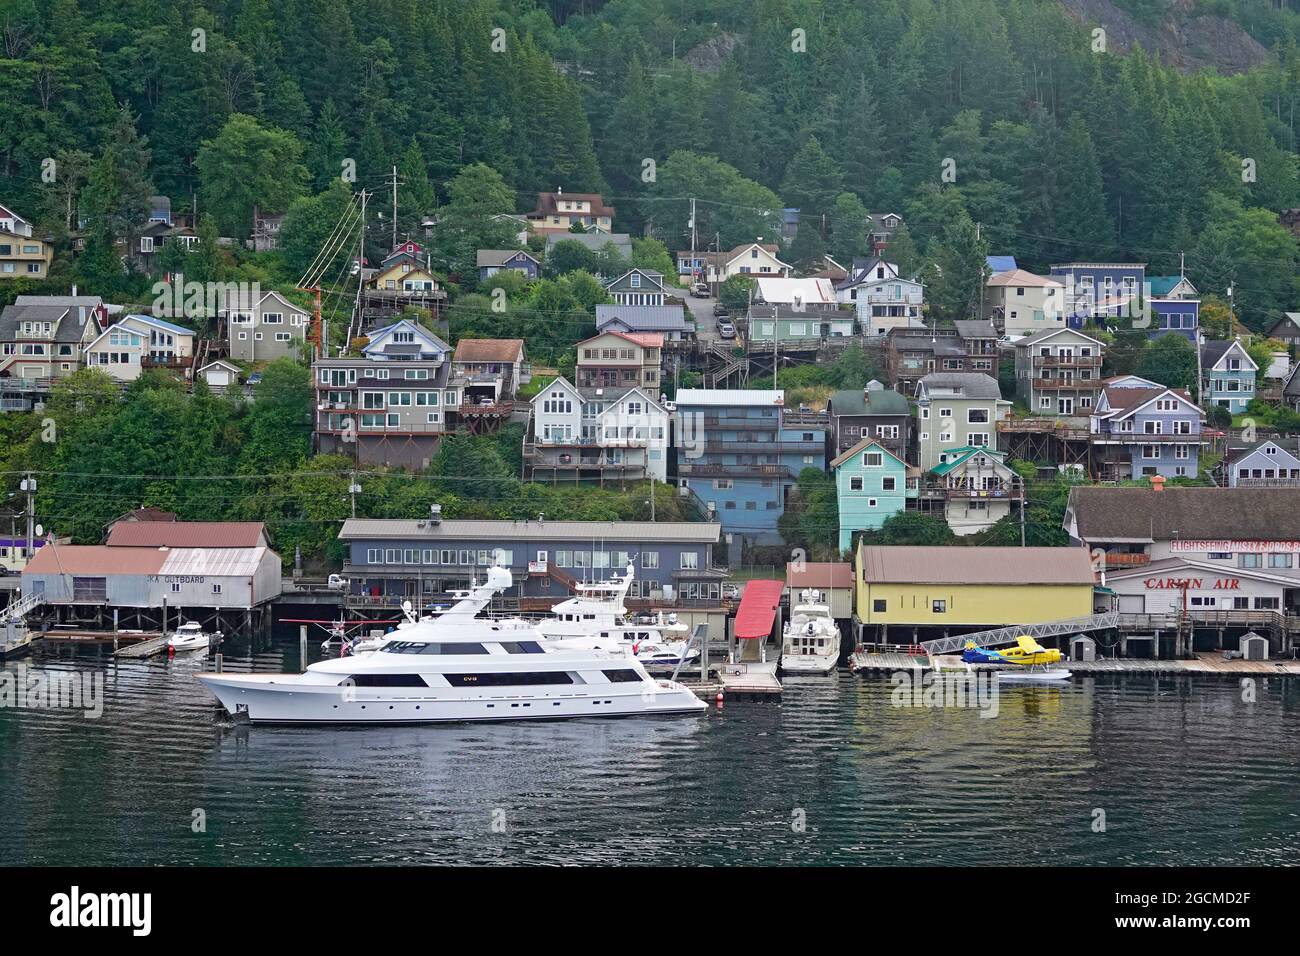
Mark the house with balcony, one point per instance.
(670, 321)
(1058, 372)
(487, 373)
(262, 326)
(638, 287)
(1138, 430)
(404, 280)
(956, 411)
(739, 451)
(138, 342)
(750, 259)
(881, 227)
(873, 412)
(1228, 376)
(1020, 303)
(621, 360)
(1266, 463)
(976, 487)
(965, 346)
(558, 211)
(22, 255)
(390, 405)
(882, 298)
(596, 434)
(792, 327)
(872, 484)
(42, 339)
(392, 560)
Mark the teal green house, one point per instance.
(871, 485)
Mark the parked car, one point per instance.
(731, 592)
(725, 329)
(719, 309)
(254, 380)
(700, 290)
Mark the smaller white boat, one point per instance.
(190, 636)
(811, 639)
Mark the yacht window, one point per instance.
(522, 647)
(622, 676)
(463, 649)
(388, 680)
(509, 679)
(423, 647)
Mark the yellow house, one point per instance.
(959, 587)
(21, 255)
(404, 277)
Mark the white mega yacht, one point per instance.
(458, 667)
(811, 640)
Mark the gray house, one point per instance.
(389, 558)
(492, 261)
(264, 326)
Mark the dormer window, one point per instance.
(635, 280)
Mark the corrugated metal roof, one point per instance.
(96, 559)
(757, 609)
(103, 560)
(215, 562)
(187, 534)
(507, 531)
(962, 565)
(819, 574)
(730, 396)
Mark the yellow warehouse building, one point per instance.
(969, 588)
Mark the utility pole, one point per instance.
(394, 246)
(28, 484)
(693, 231)
(1022, 512)
(353, 488)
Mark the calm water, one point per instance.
(1184, 770)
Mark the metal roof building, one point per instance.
(149, 577)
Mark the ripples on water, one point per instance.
(1185, 772)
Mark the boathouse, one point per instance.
(930, 592)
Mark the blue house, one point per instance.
(1096, 291)
(739, 451)
(1180, 316)
(492, 261)
(1229, 376)
(1140, 428)
(1271, 463)
(871, 485)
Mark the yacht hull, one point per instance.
(807, 664)
(279, 699)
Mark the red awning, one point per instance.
(757, 611)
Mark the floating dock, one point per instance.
(1205, 662)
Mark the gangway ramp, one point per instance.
(1008, 635)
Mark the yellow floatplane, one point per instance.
(1027, 654)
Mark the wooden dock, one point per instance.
(1205, 662)
(749, 680)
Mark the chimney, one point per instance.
(1158, 482)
